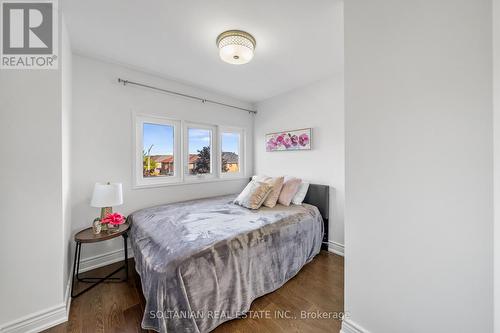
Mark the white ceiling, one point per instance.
(298, 41)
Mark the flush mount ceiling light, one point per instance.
(236, 46)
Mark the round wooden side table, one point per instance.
(88, 236)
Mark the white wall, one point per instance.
(102, 138)
(34, 108)
(320, 106)
(30, 205)
(66, 106)
(419, 166)
(496, 130)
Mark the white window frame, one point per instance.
(139, 179)
(241, 152)
(213, 151)
(181, 153)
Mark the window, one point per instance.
(200, 154)
(199, 150)
(176, 152)
(231, 151)
(157, 151)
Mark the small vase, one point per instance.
(97, 226)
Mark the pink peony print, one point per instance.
(271, 144)
(293, 140)
(287, 142)
(304, 139)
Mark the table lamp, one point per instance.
(106, 196)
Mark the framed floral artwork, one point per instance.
(299, 139)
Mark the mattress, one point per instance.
(203, 262)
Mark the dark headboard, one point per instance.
(319, 196)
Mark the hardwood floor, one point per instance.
(317, 289)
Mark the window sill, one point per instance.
(190, 182)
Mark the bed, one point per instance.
(203, 262)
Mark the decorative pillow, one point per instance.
(277, 184)
(261, 178)
(290, 188)
(301, 193)
(253, 195)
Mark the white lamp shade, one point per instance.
(107, 195)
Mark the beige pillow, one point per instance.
(253, 195)
(290, 188)
(277, 184)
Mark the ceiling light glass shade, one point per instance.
(236, 47)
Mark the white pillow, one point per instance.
(260, 178)
(301, 193)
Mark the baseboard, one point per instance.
(56, 315)
(67, 295)
(349, 326)
(90, 263)
(41, 320)
(336, 248)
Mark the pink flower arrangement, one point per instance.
(113, 219)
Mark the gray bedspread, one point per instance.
(203, 262)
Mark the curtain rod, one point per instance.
(203, 100)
